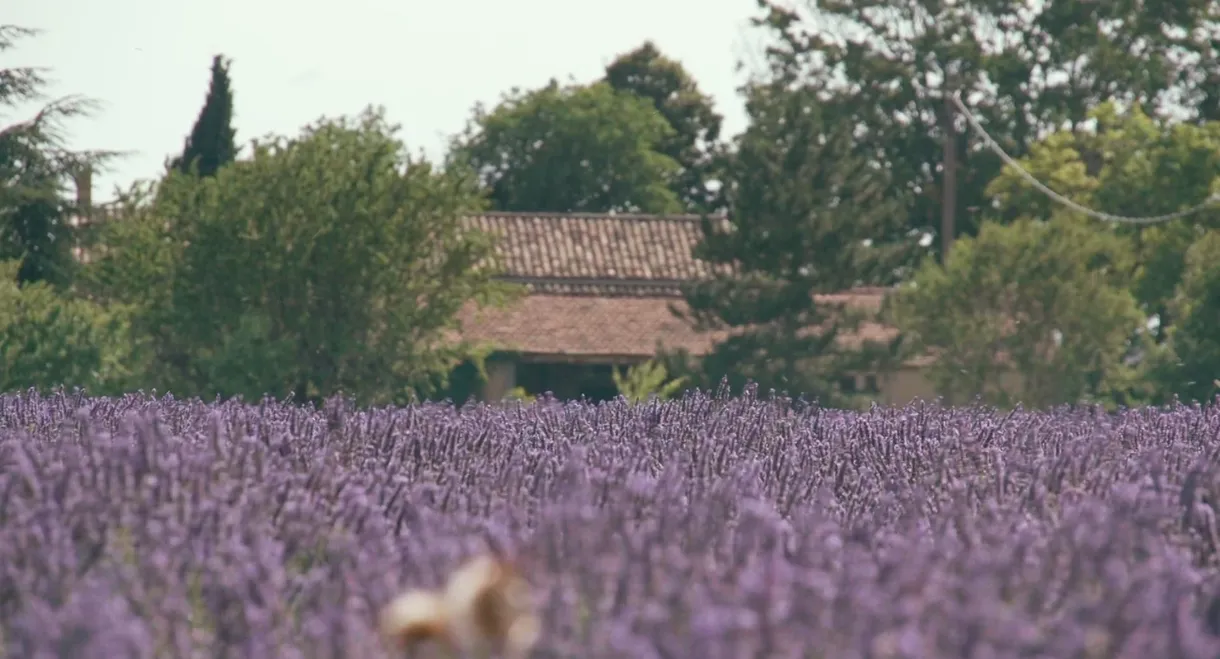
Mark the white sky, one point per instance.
(428, 63)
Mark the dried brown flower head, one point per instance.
(485, 608)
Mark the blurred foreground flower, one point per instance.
(484, 608)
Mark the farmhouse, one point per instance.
(602, 290)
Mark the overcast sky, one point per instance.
(428, 63)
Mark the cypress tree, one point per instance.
(212, 144)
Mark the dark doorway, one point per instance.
(594, 382)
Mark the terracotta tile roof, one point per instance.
(607, 328)
(613, 328)
(595, 247)
(600, 287)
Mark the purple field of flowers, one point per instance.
(708, 527)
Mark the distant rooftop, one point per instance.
(597, 254)
(601, 286)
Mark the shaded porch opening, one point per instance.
(565, 377)
(593, 382)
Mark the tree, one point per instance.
(326, 262)
(1045, 301)
(35, 169)
(211, 144)
(804, 213)
(1188, 366)
(580, 148)
(694, 143)
(892, 67)
(49, 340)
(1129, 164)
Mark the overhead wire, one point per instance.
(1211, 201)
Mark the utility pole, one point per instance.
(948, 202)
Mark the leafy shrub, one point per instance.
(707, 527)
(48, 339)
(1036, 312)
(647, 379)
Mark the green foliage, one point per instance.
(133, 258)
(49, 340)
(520, 395)
(34, 227)
(1130, 164)
(1022, 69)
(35, 168)
(1189, 365)
(572, 149)
(694, 143)
(1047, 302)
(328, 262)
(134, 263)
(642, 381)
(805, 213)
(212, 143)
(466, 380)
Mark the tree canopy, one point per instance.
(1032, 312)
(695, 140)
(325, 262)
(1120, 162)
(1188, 364)
(36, 168)
(890, 67)
(575, 148)
(1133, 164)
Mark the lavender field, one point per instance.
(709, 527)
